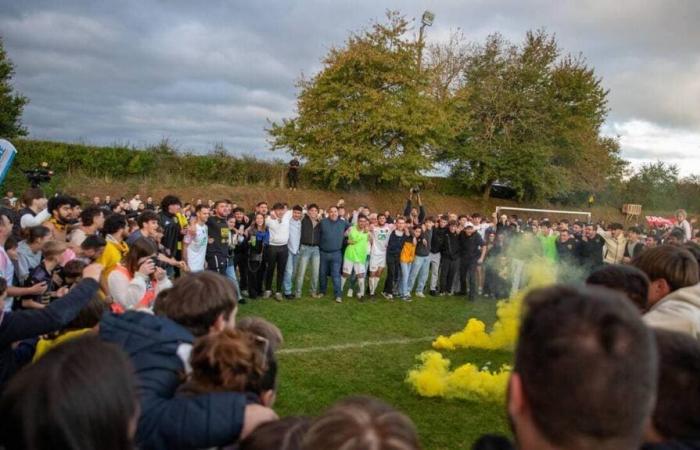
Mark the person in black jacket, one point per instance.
(414, 216)
(30, 324)
(449, 259)
(219, 233)
(172, 233)
(309, 251)
(393, 260)
(437, 242)
(471, 253)
(592, 246)
(634, 245)
(159, 345)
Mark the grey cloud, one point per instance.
(202, 73)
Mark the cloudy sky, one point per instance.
(202, 73)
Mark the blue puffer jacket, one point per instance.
(166, 421)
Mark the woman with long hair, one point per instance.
(258, 237)
(136, 280)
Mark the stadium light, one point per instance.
(428, 18)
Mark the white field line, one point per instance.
(353, 345)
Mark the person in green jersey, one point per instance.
(548, 239)
(356, 252)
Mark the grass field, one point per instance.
(313, 376)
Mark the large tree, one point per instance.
(11, 103)
(368, 112)
(525, 116)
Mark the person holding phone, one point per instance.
(137, 279)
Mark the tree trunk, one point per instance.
(487, 191)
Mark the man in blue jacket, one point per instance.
(331, 246)
(159, 348)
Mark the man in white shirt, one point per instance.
(377, 255)
(196, 239)
(278, 225)
(293, 249)
(35, 212)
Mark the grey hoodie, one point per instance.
(678, 311)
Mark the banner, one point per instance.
(7, 156)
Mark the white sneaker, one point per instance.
(350, 293)
(278, 296)
(387, 296)
(267, 294)
(338, 300)
(420, 295)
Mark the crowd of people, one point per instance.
(118, 326)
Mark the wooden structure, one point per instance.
(631, 212)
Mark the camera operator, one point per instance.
(414, 215)
(34, 212)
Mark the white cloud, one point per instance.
(642, 142)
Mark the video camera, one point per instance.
(38, 175)
(415, 190)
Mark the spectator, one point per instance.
(30, 324)
(449, 259)
(309, 251)
(34, 212)
(219, 236)
(159, 345)
(684, 225)
(92, 248)
(136, 280)
(395, 243)
(196, 239)
(675, 423)
(29, 250)
(414, 216)
(674, 293)
(100, 416)
(60, 208)
(421, 263)
(623, 278)
(278, 225)
(293, 247)
(148, 226)
(592, 246)
(46, 272)
(471, 253)
(634, 245)
(284, 434)
(84, 323)
(615, 243)
(330, 246)
(361, 423)
(92, 219)
(172, 230)
(574, 347)
(258, 255)
(293, 174)
(437, 242)
(115, 230)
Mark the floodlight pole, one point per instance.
(426, 21)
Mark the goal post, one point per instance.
(547, 211)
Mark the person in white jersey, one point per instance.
(377, 256)
(196, 239)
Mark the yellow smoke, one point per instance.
(433, 378)
(538, 272)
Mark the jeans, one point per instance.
(434, 259)
(331, 263)
(419, 271)
(403, 283)
(231, 274)
(277, 262)
(292, 261)
(308, 254)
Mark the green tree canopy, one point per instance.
(367, 113)
(11, 103)
(526, 116)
